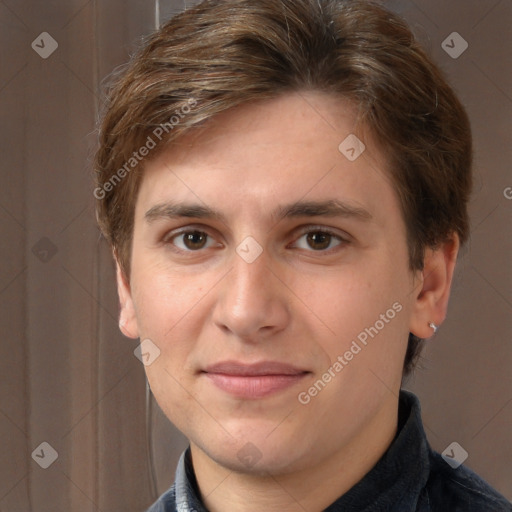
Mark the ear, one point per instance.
(127, 316)
(433, 289)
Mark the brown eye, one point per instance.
(194, 240)
(319, 241)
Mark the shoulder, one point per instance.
(461, 490)
(166, 502)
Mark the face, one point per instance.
(271, 271)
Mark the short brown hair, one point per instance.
(223, 53)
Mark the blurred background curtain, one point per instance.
(70, 379)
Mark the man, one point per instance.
(284, 185)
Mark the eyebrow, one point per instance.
(176, 210)
(327, 208)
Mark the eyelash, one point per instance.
(342, 241)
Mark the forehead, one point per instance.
(311, 120)
(296, 146)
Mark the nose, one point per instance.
(252, 302)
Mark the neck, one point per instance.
(313, 488)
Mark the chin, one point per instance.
(257, 454)
(249, 460)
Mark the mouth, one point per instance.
(253, 381)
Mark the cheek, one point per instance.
(170, 311)
(163, 299)
(367, 305)
(348, 299)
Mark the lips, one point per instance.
(255, 380)
(263, 368)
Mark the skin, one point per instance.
(296, 303)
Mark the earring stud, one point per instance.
(433, 326)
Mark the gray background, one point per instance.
(69, 378)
